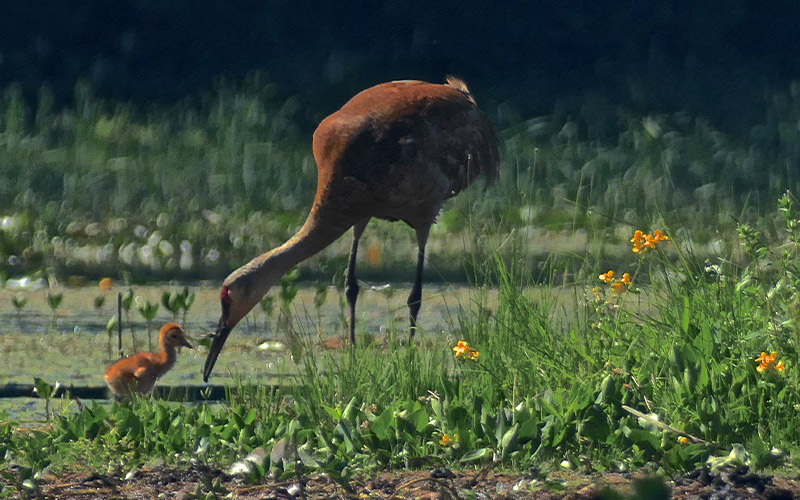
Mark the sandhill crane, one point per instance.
(395, 151)
(138, 374)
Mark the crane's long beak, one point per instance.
(214, 350)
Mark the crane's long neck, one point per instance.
(317, 233)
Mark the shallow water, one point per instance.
(71, 345)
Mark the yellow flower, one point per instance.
(473, 354)
(779, 366)
(607, 277)
(445, 441)
(683, 440)
(626, 279)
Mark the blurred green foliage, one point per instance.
(199, 187)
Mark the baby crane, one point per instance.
(138, 374)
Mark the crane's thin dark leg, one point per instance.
(415, 298)
(351, 283)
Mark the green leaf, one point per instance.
(42, 388)
(127, 299)
(307, 456)
(350, 410)
(343, 431)
(419, 419)
(509, 441)
(529, 429)
(476, 455)
(54, 300)
(438, 409)
(380, 426)
(686, 316)
(640, 436)
(335, 413)
(704, 342)
(607, 390)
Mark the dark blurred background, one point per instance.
(716, 59)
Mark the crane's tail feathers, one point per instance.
(458, 84)
(485, 158)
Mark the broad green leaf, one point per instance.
(476, 455)
(509, 441)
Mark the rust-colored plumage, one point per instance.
(138, 374)
(395, 151)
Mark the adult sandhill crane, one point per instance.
(138, 374)
(395, 151)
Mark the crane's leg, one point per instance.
(415, 297)
(351, 283)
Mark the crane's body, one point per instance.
(395, 151)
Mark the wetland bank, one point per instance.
(163, 155)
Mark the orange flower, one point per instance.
(446, 440)
(626, 279)
(766, 359)
(607, 277)
(373, 255)
(618, 287)
(105, 284)
(638, 240)
(462, 349)
(642, 241)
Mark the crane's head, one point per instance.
(239, 294)
(229, 317)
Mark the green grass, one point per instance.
(549, 388)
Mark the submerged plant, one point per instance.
(54, 300)
(172, 302)
(19, 301)
(148, 310)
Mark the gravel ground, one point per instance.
(198, 481)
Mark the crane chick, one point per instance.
(138, 374)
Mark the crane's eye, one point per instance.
(224, 296)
